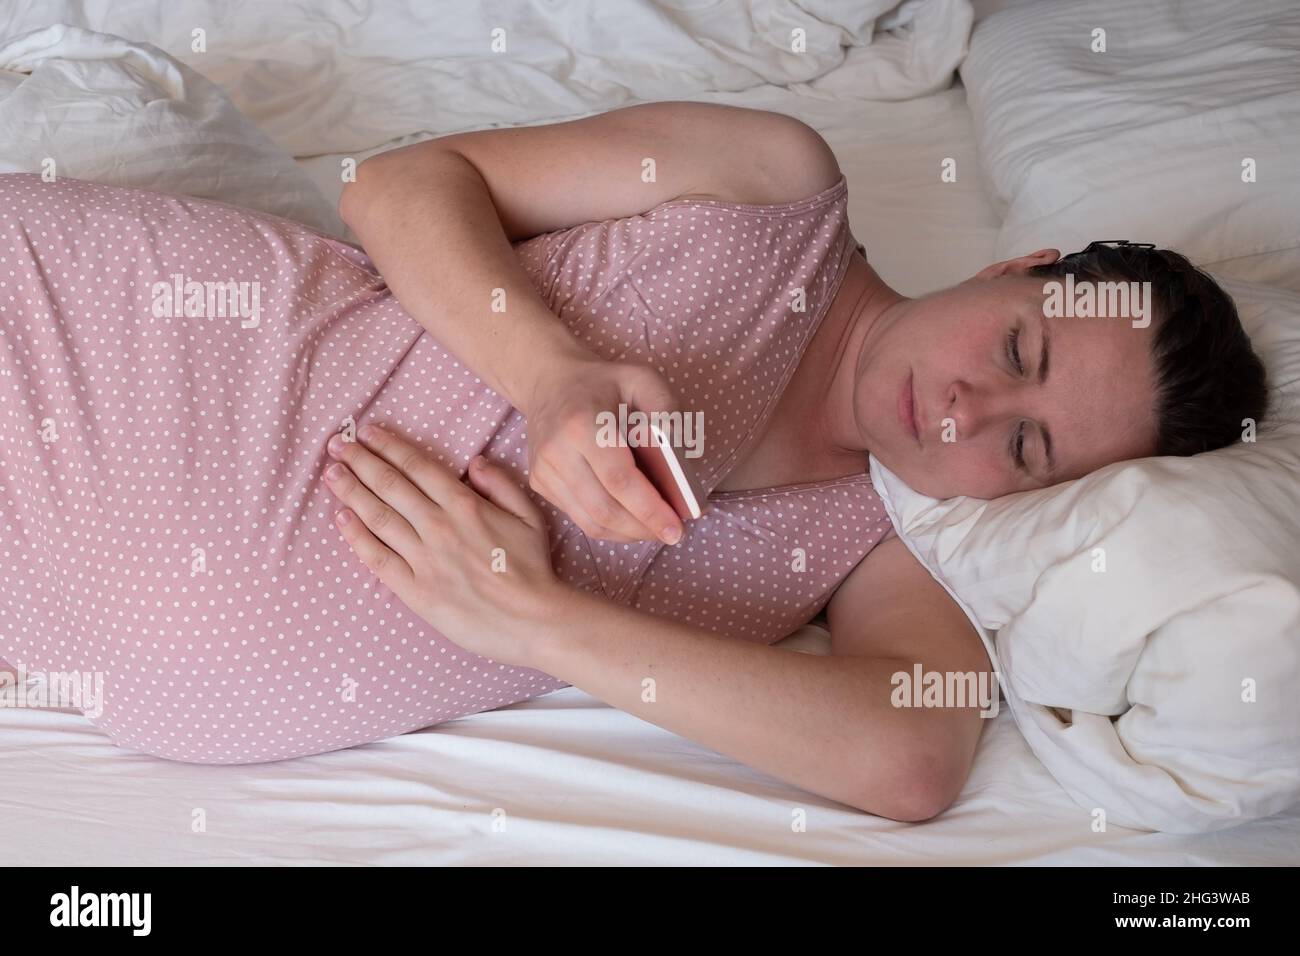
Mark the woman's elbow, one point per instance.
(353, 198)
(923, 786)
(387, 181)
(373, 178)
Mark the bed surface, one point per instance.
(579, 783)
(565, 779)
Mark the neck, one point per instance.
(873, 310)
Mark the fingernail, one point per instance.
(671, 535)
(370, 432)
(334, 472)
(336, 444)
(343, 517)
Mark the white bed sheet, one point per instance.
(576, 781)
(579, 783)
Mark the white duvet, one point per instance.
(336, 76)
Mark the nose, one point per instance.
(974, 410)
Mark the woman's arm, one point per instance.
(825, 723)
(437, 219)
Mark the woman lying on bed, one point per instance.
(165, 474)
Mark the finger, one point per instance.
(556, 489)
(381, 518)
(496, 486)
(647, 390)
(386, 482)
(603, 507)
(389, 567)
(617, 472)
(439, 483)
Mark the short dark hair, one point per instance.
(1208, 377)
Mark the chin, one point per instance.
(923, 482)
(931, 490)
(915, 478)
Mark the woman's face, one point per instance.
(1003, 399)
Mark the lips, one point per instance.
(907, 409)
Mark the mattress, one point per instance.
(565, 779)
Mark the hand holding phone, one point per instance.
(582, 469)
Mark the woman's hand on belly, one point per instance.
(572, 464)
(472, 561)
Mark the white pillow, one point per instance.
(127, 114)
(1198, 607)
(1146, 140)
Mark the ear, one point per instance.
(1016, 266)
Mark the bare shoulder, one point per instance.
(890, 606)
(758, 156)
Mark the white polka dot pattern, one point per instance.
(704, 290)
(162, 515)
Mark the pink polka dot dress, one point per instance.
(170, 372)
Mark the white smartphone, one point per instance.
(670, 473)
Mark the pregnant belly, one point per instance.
(163, 516)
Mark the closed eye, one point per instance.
(1018, 436)
(1017, 443)
(1013, 351)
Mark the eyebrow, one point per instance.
(1044, 338)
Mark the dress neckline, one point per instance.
(851, 245)
(863, 477)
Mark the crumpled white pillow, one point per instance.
(127, 114)
(1134, 684)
